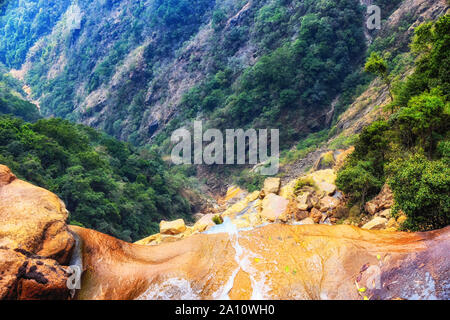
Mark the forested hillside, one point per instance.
(410, 148)
(133, 68)
(104, 183)
(11, 98)
(137, 70)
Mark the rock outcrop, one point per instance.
(34, 241)
(272, 262)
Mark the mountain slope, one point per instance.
(132, 68)
(106, 184)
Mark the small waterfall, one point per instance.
(243, 259)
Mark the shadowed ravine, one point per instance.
(271, 262)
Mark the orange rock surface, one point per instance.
(34, 241)
(273, 262)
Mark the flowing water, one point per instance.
(243, 259)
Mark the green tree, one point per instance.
(424, 115)
(421, 190)
(358, 182)
(378, 66)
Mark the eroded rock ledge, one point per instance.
(271, 261)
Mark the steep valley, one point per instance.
(91, 92)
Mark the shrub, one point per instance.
(358, 182)
(421, 190)
(217, 219)
(304, 182)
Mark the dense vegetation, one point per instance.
(93, 53)
(307, 54)
(104, 183)
(21, 28)
(272, 64)
(11, 101)
(293, 79)
(410, 150)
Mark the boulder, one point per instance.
(6, 176)
(152, 240)
(234, 194)
(286, 216)
(273, 207)
(33, 219)
(301, 215)
(316, 215)
(328, 203)
(304, 201)
(172, 227)
(253, 196)
(383, 201)
(386, 213)
(288, 190)
(371, 208)
(34, 241)
(377, 223)
(324, 181)
(204, 223)
(272, 185)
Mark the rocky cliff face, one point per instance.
(368, 106)
(270, 261)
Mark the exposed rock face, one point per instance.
(365, 109)
(34, 241)
(281, 262)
